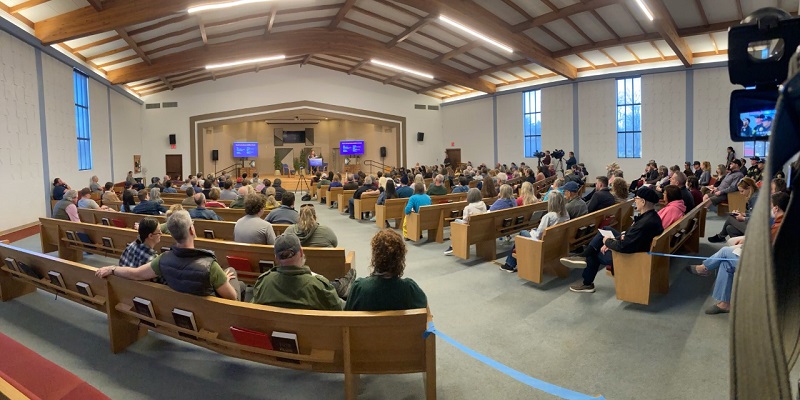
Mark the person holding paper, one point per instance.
(637, 239)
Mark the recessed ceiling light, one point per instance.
(244, 62)
(475, 34)
(645, 10)
(217, 6)
(399, 68)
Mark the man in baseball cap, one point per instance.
(636, 239)
(575, 205)
(291, 284)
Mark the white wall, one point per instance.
(21, 144)
(282, 85)
(664, 115)
(126, 128)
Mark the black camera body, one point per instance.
(539, 154)
(759, 52)
(557, 154)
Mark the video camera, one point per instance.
(759, 52)
(557, 154)
(539, 154)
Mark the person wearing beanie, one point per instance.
(404, 191)
(636, 239)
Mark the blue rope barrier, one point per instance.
(692, 257)
(519, 376)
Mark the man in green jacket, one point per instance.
(291, 284)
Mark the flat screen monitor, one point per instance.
(756, 124)
(752, 112)
(294, 136)
(351, 147)
(245, 149)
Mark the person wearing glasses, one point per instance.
(142, 250)
(636, 239)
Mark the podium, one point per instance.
(315, 164)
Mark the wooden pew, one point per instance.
(391, 209)
(638, 275)
(322, 193)
(448, 198)
(343, 199)
(434, 219)
(344, 342)
(542, 186)
(332, 195)
(735, 202)
(484, 229)
(537, 257)
(332, 263)
(365, 204)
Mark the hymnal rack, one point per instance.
(45, 284)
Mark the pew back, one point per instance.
(483, 229)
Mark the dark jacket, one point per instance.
(187, 270)
(279, 191)
(361, 190)
(203, 213)
(688, 199)
(149, 207)
(601, 199)
(640, 235)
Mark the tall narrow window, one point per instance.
(629, 118)
(82, 126)
(532, 122)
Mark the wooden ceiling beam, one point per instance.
(432, 87)
(108, 53)
(410, 31)
(607, 43)
(203, 34)
(613, 61)
(356, 67)
(117, 61)
(115, 14)
(304, 41)
(160, 24)
(476, 17)
(702, 11)
(555, 37)
(96, 4)
(25, 5)
(270, 21)
(457, 52)
(632, 13)
(739, 11)
(392, 78)
(563, 13)
(580, 31)
(635, 57)
(665, 26)
(604, 23)
(166, 82)
(348, 4)
(498, 68)
(132, 44)
(97, 43)
(306, 59)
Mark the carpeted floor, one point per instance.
(590, 343)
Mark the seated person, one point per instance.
(310, 232)
(437, 189)
(602, 196)
(189, 200)
(285, 214)
(463, 185)
(557, 185)
(721, 260)
(324, 178)
(416, 201)
(279, 190)
(727, 185)
(291, 284)
(227, 193)
(213, 199)
(86, 201)
(505, 198)
(108, 195)
(619, 189)
(252, 228)
(694, 189)
(168, 188)
(271, 203)
(404, 191)
(674, 208)
(146, 206)
(556, 214)
(155, 195)
(94, 185)
(184, 268)
(201, 212)
(128, 201)
(142, 250)
(67, 208)
(576, 207)
(385, 289)
(736, 222)
(638, 238)
(367, 188)
(526, 194)
(59, 188)
(242, 191)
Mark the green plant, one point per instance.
(277, 162)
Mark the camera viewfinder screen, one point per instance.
(756, 124)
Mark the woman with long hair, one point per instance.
(310, 232)
(526, 195)
(556, 214)
(128, 201)
(705, 177)
(272, 203)
(736, 223)
(619, 188)
(386, 289)
(505, 199)
(155, 195)
(488, 190)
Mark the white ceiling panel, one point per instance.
(372, 21)
(12, 3)
(307, 25)
(534, 8)
(591, 26)
(564, 3)
(113, 57)
(330, 13)
(506, 76)
(436, 31)
(123, 64)
(521, 72)
(154, 33)
(620, 19)
(459, 66)
(175, 39)
(228, 38)
(684, 12)
(722, 40)
(566, 33)
(644, 50)
(480, 65)
(260, 23)
(52, 8)
(597, 58)
(575, 61)
(91, 52)
(619, 54)
(492, 79)
(176, 49)
(664, 47)
(417, 50)
(720, 10)
(366, 32)
(539, 36)
(502, 10)
(388, 12)
(699, 43)
(485, 55)
(429, 43)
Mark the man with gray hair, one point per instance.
(184, 268)
(437, 189)
(67, 208)
(201, 212)
(366, 188)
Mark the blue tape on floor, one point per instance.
(693, 257)
(530, 381)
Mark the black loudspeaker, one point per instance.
(420, 136)
(172, 139)
(214, 155)
(383, 152)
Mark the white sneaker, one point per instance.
(449, 251)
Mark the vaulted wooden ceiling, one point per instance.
(156, 45)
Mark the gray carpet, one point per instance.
(591, 343)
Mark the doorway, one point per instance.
(174, 166)
(455, 157)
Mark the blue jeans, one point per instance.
(351, 208)
(510, 260)
(595, 258)
(725, 270)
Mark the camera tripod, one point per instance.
(302, 182)
(559, 166)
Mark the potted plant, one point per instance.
(277, 164)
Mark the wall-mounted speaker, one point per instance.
(383, 152)
(214, 155)
(173, 139)
(420, 136)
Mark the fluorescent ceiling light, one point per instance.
(645, 10)
(475, 34)
(217, 6)
(399, 68)
(243, 62)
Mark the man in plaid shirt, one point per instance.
(142, 251)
